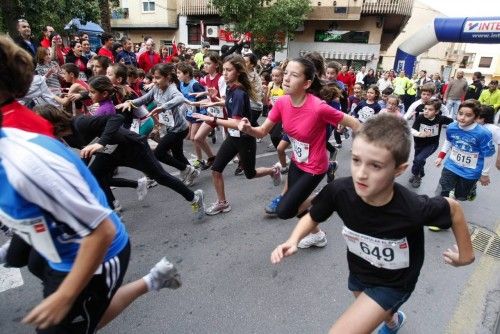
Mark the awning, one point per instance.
(342, 55)
(88, 27)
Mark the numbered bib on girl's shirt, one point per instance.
(463, 158)
(431, 130)
(190, 110)
(365, 113)
(300, 150)
(166, 118)
(36, 233)
(136, 124)
(234, 133)
(215, 111)
(381, 253)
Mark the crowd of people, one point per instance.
(64, 220)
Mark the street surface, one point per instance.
(230, 285)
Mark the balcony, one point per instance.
(388, 7)
(195, 7)
(119, 13)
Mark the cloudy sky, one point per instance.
(459, 8)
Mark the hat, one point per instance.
(205, 45)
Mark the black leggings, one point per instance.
(136, 155)
(300, 187)
(172, 141)
(245, 147)
(276, 134)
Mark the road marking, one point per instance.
(10, 278)
(470, 308)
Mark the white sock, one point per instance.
(149, 282)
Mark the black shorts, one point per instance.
(245, 146)
(90, 305)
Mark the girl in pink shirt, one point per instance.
(304, 118)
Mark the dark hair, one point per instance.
(472, 104)
(121, 72)
(105, 37)
(428, 87)
(59, 118)
(101, 83)
(495, 82)
(478, 75)
(329, 92)
(115, 46)
(310, 74)
(214, 58)
(266, 75)
(185, 68)
(73, 43)
(142, 73)
(16, 70)
(71, 69)
(166, 70)
(388, 91)
(377, 91)
(488, 114)
(132, 71)
(389, 132)
(334, 65)
(394, 97)
(103, 61)
(435, 103)
(238, 63)
(318, 61)
(252, 57)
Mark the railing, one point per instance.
(399, 7)
(195, 7)
(119, 13)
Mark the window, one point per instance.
(485, 62)
(464, 62)
(194, 34)
(148, 6)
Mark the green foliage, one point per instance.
(268, 21)
(40, 13)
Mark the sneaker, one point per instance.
(152, 183)
(284, 170)
(184, 173)
(346, 134)
(338, 145)
(417, 181)
(401, 321)
(473, 193)
(142, 188)
(434, 228)
(313, 239)
(163, 275)
(276, 175)
(238, 170)
(3, 251)
(192, 174)
(411, 179)
(272, 207)
(117, 206)
(198, 163)
(208, 164)
(452, 194)
(332, 168)
(198, 204)
(217, 208)
(333, 155)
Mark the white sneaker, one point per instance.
(198, 204)
(3, 251)
(313, 239)
(276, 175)
(163, 275)
(192, 174)
(142, 188)
(184, 173)
(118, 206)
(152, 183)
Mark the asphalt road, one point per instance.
(230, 286)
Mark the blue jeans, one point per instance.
(452, 106)
(421, 154)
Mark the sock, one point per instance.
(149, 282)
(395, 321)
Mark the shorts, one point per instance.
(90, 305)
(285, 138)
(450, 181)
(387, 298)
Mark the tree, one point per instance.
(268, 21)
(39, 13)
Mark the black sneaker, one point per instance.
(208, 164)
(416, 182)
(238, 170)
(332, 168)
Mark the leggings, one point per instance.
(276, 134)
(300, 186)
(174, 142)
(245, 147)
(136, 155)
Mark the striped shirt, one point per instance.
(50, 199)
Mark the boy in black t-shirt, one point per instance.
(426, 131)
(383, 227)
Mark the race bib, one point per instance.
(215, 111)
(136, 124)
(166, 118)
(365, 113)
(35, 232)
(381, 253)
(430, 130)
(300, 150)
(463, 158)
(234, 133)
(190, 110)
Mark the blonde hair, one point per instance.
(16, 69)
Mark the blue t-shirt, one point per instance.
(468, 150)
(50, 198)
(237, 102)
(186, 89)
(365, 110)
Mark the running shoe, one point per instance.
(338, 145)
(238, 170)
(417, 181)
(313, 239)
(3, 251)
(198, 204)
(208, 164)
(272, 207)
(434, 228)
(218, 207)
(192, 174)
(332, 168)
(198, 163)
(411, 179)
(117, 206)
(163, 275)
(401, 321)
(473, 193)
(276, 175)
(184, 173)
(284, 170)
(142, 188)
(346, 134)
(152, 183)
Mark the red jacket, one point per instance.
(145, 63)
(15, 115)
(348, 79)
